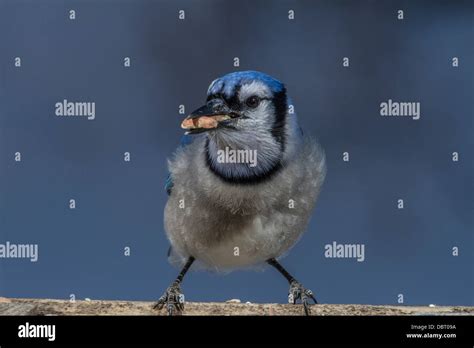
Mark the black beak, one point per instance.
(205, 110)
(213, 114)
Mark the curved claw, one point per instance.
(298, 292)
(173, 299)
(170, 309)
(160, 304)
(310, 294)
(307, 310)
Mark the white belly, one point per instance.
(225, 243)
(241, 249)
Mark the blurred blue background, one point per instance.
(173, 61)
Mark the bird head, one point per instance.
(244, 110)
(239, 101)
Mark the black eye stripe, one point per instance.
(234, 103)
(259, 98)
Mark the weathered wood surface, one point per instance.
(12, 306)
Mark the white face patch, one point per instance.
(256, 88)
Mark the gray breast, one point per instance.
(208, 218)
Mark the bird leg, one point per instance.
(173, 298)
(297, 291)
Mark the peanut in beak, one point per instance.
(206, 122)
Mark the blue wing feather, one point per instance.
(185, 140)
(168, 184)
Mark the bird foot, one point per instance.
(173, 299)
(298, 292)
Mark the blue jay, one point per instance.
(224, 212)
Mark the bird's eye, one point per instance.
(253, 101)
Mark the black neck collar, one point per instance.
(251, 178)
